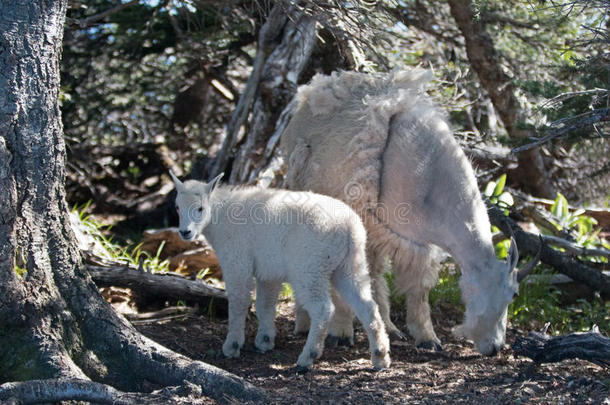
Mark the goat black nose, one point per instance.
(185, 234)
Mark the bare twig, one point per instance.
(563, 96)
(583, 120)
(87, 22)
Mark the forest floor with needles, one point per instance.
(344, 375)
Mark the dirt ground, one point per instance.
(344, 375)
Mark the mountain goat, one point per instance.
(376, 142)
(308, 240)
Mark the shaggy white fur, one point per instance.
(379, 144)
(309, 240)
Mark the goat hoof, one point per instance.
(231, 349)
(334, 341)
(380, 360)
(331, 341)
(264, 343)
(430, 345)
(301, 369)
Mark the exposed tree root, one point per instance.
(65, 389)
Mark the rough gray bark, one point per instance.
(277, 86)
(266, 40)
(485, 61)
(62, 389)
(54, 322)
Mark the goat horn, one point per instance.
(513, 254)
(527, 269)
(176, 181)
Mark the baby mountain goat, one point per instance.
(311, 241)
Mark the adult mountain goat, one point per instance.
(308, 240)
(376, 142)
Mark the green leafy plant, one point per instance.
(286, 291)
(447, 289)
(576, 222)
(494, 191)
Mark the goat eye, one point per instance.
(200, 209)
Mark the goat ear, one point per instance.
(513, 255)
(179, 185)
(213, 183)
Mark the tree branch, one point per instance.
(485, 61)
(61, 389)
(583, 120)
(528, 243)
(574, 248)
(87, 22)
(163, 284)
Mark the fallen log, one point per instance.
(542, 348)
(528, 243)
(160, 284)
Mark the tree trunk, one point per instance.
(267, 37)
(55, 324)
(276, 88)
(484, 60)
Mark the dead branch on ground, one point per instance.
(542, 348)
(161, 284)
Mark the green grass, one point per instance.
(538, 302)
(132, 254)
(447, 289)
(286, 291)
